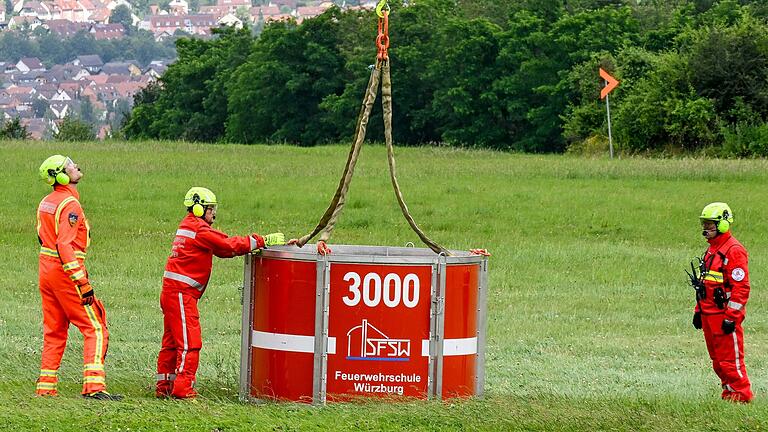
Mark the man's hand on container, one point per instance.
(258, 240)
(86, 294)
(483, 252)
(323, 248)
(274, 239)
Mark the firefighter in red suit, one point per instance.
(186, 276)
(67, 295)
(721, 301)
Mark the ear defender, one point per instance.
(62, 178)
(197, 209)
(57, 177)
(723, 225)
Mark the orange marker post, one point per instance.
(610, 84)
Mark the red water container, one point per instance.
(366, 321)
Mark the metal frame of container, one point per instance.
(369, 255)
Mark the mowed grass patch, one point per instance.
(589, 311)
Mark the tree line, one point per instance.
(517, 75)
(52, 49)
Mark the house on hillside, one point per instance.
(37, 128)
(21, 21)
(107, 31)
(289, 4)
(216, 11)
(121, 68)
(98, 79)
(65, 28)
(61, 96)
(71, 88)
(306, 12)
(232, 5)
(178, 7)
(193, 24)
(46, 91)
(59, 73)
(114, 79)
(74, 10)
(100, 15)
(28, 64)
(230, 20)
(37, 9)
(60, 109)
(91, 63)
(155, 70)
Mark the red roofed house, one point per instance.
(192, 24)
(264, 12)
(37, 9)
(29, 64)
(36, 127)
(232, 5)
(100, 15)
(99, 79)
(178, 7)
(19, 91)
(107, 31)
(216, 11)
(19, 21)
(65, 28)
(305, 12)
(290, 3)
(74, 10)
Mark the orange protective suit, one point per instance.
(64, 236)
(726, 268)
(186, 276)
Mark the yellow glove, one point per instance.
(274, 239)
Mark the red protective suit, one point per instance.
(184, 281)
(64, 236)
(725, 267)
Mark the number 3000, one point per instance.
(372, 290)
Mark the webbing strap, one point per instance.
(386, 102)
(328, 221)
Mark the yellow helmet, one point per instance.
(52, 170)
(197, 199)
(720, 213)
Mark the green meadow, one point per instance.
(589, 309)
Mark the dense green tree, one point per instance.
(72, 128)
(276, 94)
(732, 62)
(87, 111)
(191, 103)
(141, 123)
(506, 74)
(465, 106)
(122, 15)
(39, 107)
(13, 130)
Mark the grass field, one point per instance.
(589, 311)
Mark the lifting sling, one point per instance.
(379, 74)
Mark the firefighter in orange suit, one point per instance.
(67, 296)
(186, 276)
(722, 296)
